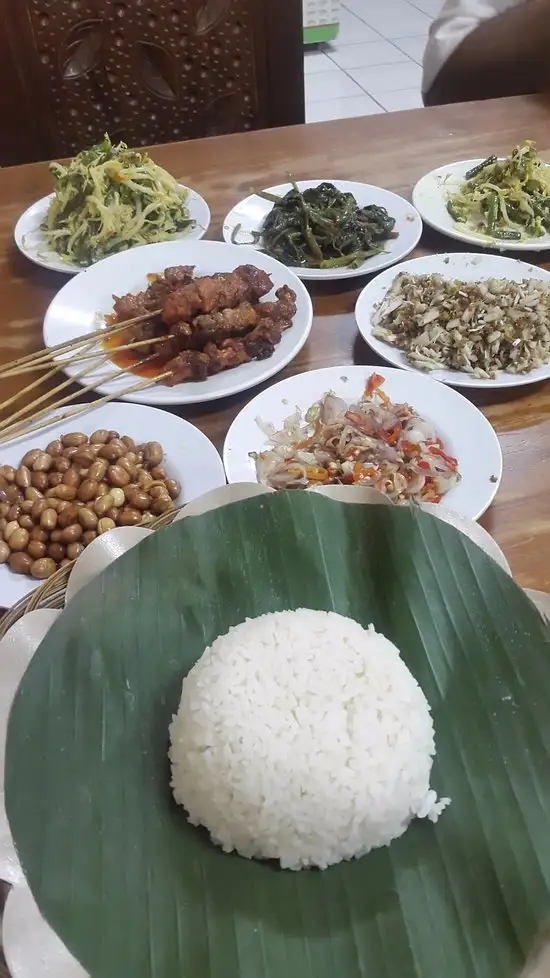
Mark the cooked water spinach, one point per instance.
(322, 227)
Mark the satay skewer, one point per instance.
(83, 408)
(54, 364)
(30, 387)
(16, 366)
(14, 420)
(17, 427)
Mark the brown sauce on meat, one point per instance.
(227, 333)
(126, 359)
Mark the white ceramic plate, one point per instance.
(30, 240)
(430, 197)
(251, 212)
(81, 304)
(469, 268)
(465, 432)
(189, 457)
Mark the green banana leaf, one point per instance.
(134, 891)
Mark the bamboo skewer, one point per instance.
(30, 387)
(60, 364)
(42, 363)
(126, 346)
(17, 425)
(53, 361)
(11, 422)
(20, 428)
(67, 346)
(142, 385)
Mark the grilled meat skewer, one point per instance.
(210, 323)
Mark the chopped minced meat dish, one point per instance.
(371, 443)
(479, 328)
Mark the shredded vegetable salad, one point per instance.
(371, 443)
(110, 198)
(506, 199)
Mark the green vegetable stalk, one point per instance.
(508, 200)
(321, 227)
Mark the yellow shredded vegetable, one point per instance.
(111, 198)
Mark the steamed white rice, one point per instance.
(303, 737)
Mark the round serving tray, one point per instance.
(24, 949)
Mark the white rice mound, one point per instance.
(303, 737)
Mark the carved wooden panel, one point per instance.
(154, 70)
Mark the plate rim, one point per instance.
(227, 450)
(530, 244)
(33, 438)
(454, 378)
(328, 274)
(18, 235)
(196, 396)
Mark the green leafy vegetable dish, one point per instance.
(111, 198)
(509, 199)
(322, 227)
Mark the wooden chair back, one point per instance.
(146, 71)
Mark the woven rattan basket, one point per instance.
(51, 594)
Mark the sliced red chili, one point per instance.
(452, 462)
(392, 435)
(374, 381)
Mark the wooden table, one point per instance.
(392, 151)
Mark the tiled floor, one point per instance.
(375, 63)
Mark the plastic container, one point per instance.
(321, 20)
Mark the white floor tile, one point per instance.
(392, 18)
(413, 46)
(315, 61)
(387, 78)
(342, 108)
(430, 7)
(403, 99)
(331, 85)
(352, 30)
(374, 65)
(366, 55)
